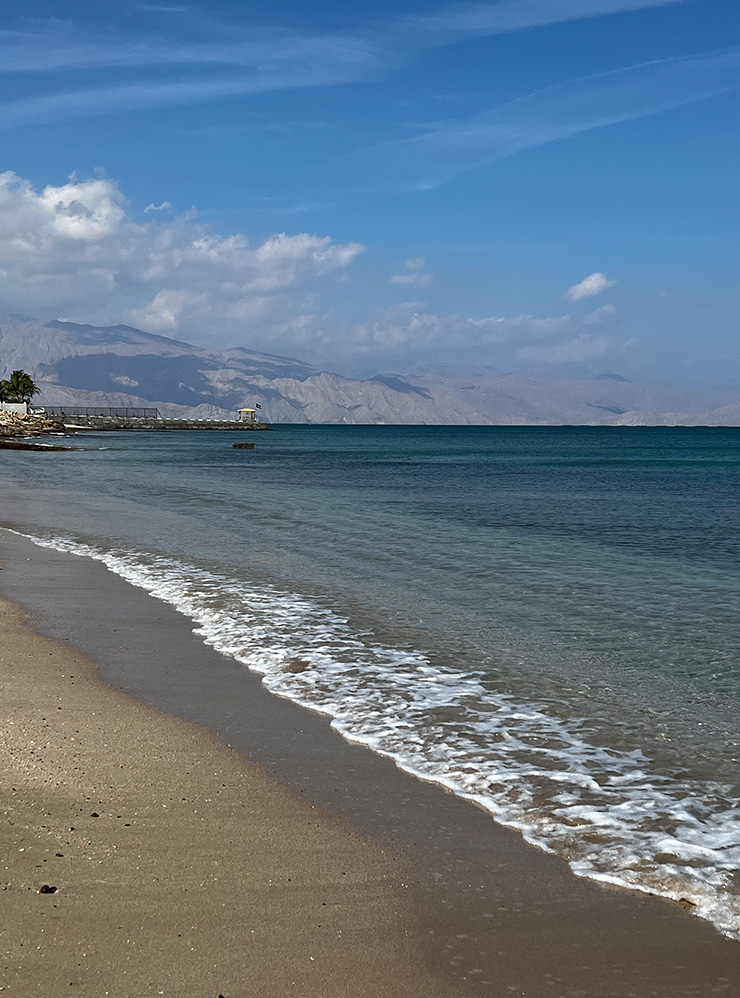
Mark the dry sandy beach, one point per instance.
(178, 868)
(298, 864)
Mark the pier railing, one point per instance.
(122, 412)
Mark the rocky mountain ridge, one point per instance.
(123, 366)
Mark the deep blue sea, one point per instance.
(542, 619)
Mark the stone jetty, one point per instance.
(158, 423)
(16, 424)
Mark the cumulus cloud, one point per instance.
(162, 313)
(406, 332)
(413, 275)
(594, 284)
(76, 249)
(607, 315)
(157, 207)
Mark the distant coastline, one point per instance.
(84, 365)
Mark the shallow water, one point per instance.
(544, 619)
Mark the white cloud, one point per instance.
(85, 212)
(607, 315)
(157, 207)
(412, 275)
(404, 333)
(162, 314)
(75, 249)
(414, 279)
(594, 284)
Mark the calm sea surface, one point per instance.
(543, 619)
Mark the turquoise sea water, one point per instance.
(543, 619)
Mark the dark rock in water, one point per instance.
(243, 445)
(297, 665)
(46, 889)
(6, 444)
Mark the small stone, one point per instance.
(686, 904)
(95, 815)
(297, 665)
(46, 889)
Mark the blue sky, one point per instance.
(383, 186)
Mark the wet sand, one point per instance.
(490, 913)
(143, 857)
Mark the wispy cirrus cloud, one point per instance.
(59, 45)
(548, 115)
(243, 62)
(150, 96)
(161, 8)
(475, 19)
(258, 58)
(260, 49)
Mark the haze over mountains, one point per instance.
(120, 365)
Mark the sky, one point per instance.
(527, 186)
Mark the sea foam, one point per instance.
(609, 812)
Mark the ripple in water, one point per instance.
(611, 813)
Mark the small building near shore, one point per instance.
(17, 408)
(247, 415)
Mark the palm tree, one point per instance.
(5, 392)
(21, 387)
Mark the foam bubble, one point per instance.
(611, 813)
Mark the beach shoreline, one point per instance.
(494, 914)
(142, 856)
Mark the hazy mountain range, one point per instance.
(120, 365)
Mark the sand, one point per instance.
(440, 892)
(179, 868)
